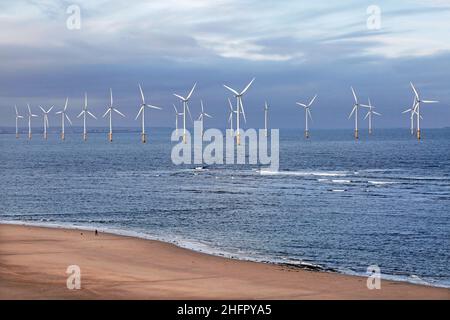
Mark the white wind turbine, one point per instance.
(85, 112)
(45, 115)
(142, 111)
(369, 114)
(307, 114)
(17, 121)
(266, 114)
(110, 110)
(202, 116)
(355, 111)
(30, 115)
(417, 108)
(64, 116)
(239, 108)
(185, 108)
(411, 111)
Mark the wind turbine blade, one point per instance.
(366, 115)
(192, 90)
(176, 111)
(29, 109)
(366, 106)
(230, 118)
(351, 113)
(58, 112)
(247, 87)
(42, 109)
(200, 117)
(354, 95)
(179, 97)
(50, 109)
(430, 101)
(243, 110)
(407, 110)
(81, 113)
(111, 99)
(189, 112)
(17, 112)
(68, 119)
(109, 110)
(142, 94)
(378, 114)
(89, 113)
(139, 113)
(201, 105)
(230, 105)
(232, 90)
(207, 115)
(302, 105)
(309, 114)
(415, 91)
(312, 100)
(65, 105)
(119, 112)
(85, 100)
(152, 106)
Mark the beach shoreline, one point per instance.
(34, 260)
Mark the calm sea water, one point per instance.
(336, 203)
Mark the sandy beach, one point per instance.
(33, 263)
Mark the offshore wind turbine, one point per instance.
(30, 115)
(185, 108)
(18, 116)
(417, 108)
(202, 116)
(142, 111)
(369, 114)
(411, 111)
(64, 116)
(45, 115)
(239, 107)
(266, 114)
(85, 112)
(307, 114)
(110, 110)
(355, 111)
(177, 114)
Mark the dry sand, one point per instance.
(33, 263)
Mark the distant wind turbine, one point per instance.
(307, 114)
(185, 108)
(64, 116)
(177, 114)
(17, 121)
(110, 110)
(239, 107)
(417, 108)
(355, 111)
(85, 112)
(30, 115)
(202, 116)
(142, 111)
(369, 114)
(45, 115)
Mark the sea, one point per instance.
(334, 204)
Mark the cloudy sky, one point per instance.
(295, 49)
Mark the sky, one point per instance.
(295, 49)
